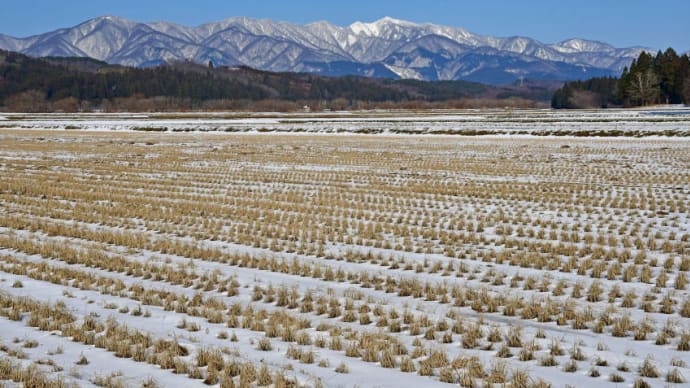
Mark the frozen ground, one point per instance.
(131, 258)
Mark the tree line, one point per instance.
(80, 84)
(649, 80)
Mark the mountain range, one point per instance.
(386, 48)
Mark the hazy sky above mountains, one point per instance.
(657, 24)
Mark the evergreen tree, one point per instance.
(670, 70)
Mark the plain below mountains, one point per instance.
(387, 48)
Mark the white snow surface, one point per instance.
(635, 130)
(663, 121)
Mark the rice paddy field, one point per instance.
(544, 250)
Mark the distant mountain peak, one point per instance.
(387, 47)
(378, 27)
(109, 19)
(583, 45)
(391, 20)
(113, 18)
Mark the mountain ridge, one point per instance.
(423, 51)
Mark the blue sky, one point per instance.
(656, 24)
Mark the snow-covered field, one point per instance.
(132, 258)
(664, 121)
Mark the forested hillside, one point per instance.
(74, 84)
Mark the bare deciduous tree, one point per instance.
(644, 88)
(31, 101)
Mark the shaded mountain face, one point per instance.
(387, 48)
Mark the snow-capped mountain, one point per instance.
(385, 48)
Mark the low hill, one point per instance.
(64, 84)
